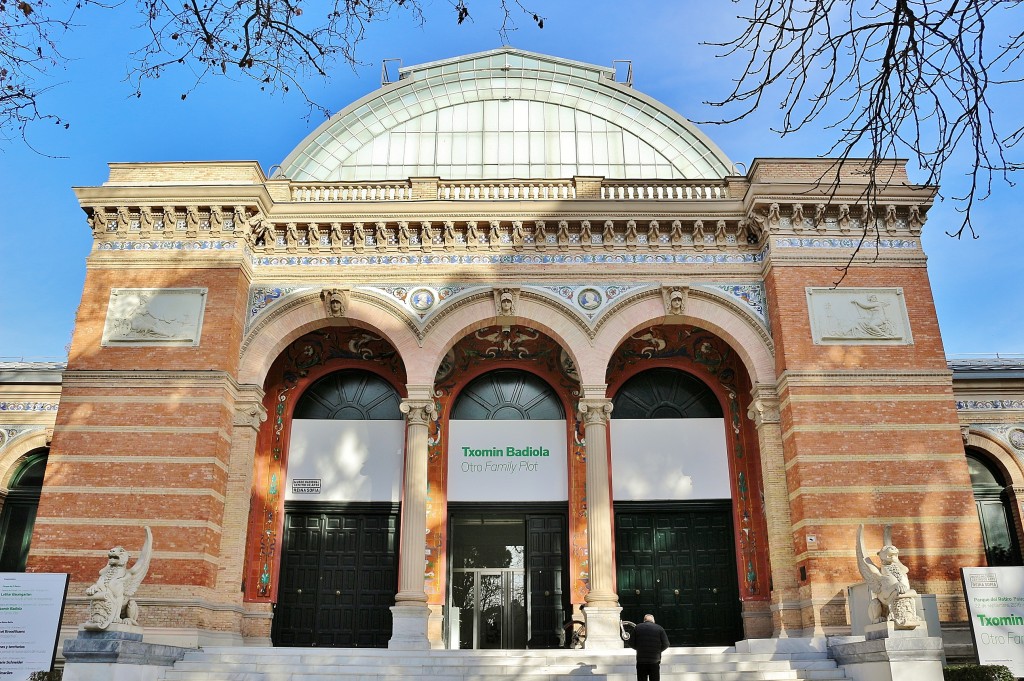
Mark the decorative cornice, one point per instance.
(21, 407)
(989, 405)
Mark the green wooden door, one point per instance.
(677, 562)
(339, 576)
(546, 537)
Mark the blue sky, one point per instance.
(46, 239)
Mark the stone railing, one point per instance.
(674, 190)
(424, 188)
(352, 191)
(497, 190)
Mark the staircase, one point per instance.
(744, 662)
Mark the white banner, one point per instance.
(669, 459)
(345, 460)
(31, 605)
(507, 461)
(995, 606)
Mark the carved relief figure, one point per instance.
(240, 217)
(674, 298)
(586, 235)
(915, 221)
(358, 237)
(426, 236)
(494, 235)
(313, 234)
(262, 234)
(449, 235)
(890, 219)
(868, 216)
(563, 235)
(819, 217)
(291, 237)
(540, 235)
(145, 222)
(403, 236)
(676, 235)
(472, 236)
(797, 219)
(698, 234)
(608, 236)
(721, 237)
(873, 318)
(893, 599)
(337, 238)
(191, 221)
(517, 235)
(653, 235)
(123, 218)
(774, 217)
(844, 219)
(505, 300)
(631, 234)
(335, 301)
(381, 238)
(110, 598)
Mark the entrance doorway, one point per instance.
(678, 563)
(509, 585)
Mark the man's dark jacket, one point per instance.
(649, 639)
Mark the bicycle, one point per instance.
(626, 629)
(574, 634)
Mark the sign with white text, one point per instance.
(31, 606)
(507, 461)
(995, 606)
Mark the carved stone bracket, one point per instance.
(249, 414)
(595, 411)
(764, 407)
(418, 412)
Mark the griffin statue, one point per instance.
(892, 597)
(110, 598)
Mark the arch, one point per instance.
(646, 395)
(264, 343)
(537, 100)
(995, 504)
(535, 311)
(25, 483)
(999, 455)
(705, 309)
(12, 455)
(352, 394)
(495, 404)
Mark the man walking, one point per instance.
(649, 640)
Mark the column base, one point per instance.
(409, 627)
(602, 628)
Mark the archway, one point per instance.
(988, 485)
(690, 532)
(19, 511)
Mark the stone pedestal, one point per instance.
(409, 628)
(117, 654)
(602, 628)
(888, 654)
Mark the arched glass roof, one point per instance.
(505, 114)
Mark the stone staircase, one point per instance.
(769, 659)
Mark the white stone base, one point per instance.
(110, 671)
(409, 627)
(602, 628)
(903, 658)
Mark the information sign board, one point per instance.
(995, 605)
(31, 606)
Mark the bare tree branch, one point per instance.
(891, 78)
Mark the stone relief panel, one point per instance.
(858, 316)
(154, 316)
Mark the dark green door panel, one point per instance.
(678, 564)
(546, 554)
(339, 576)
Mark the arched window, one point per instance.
(1001, 546)
(19, 514)
(665, 394)
(508, 395)
(349, 396)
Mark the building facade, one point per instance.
(311, 386)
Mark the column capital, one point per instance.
(418, 411)
(764, 407)
(595, 410)
(249, 409)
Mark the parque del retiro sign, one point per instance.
(507, 461)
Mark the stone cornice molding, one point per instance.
(887, 377)
(155, 379)
(595, 411)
